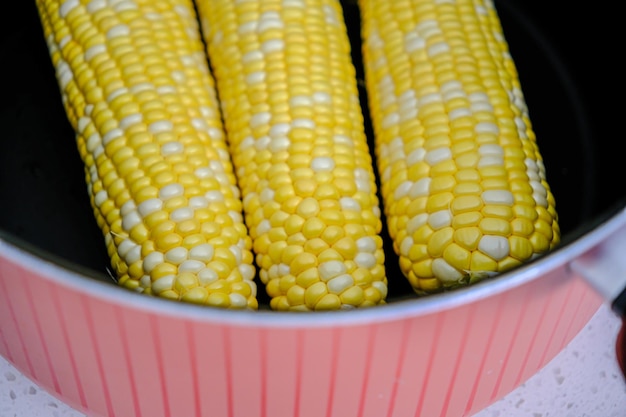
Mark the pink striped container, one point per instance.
(112, 353)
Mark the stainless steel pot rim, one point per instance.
(78, 280)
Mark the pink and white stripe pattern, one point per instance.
(108, 356)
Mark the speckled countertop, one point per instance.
(582, 381)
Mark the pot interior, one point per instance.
(564, 71)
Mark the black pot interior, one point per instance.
(566, 58)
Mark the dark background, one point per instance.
(569, 62)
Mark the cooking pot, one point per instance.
(110, 352)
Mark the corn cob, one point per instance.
(462, 180)
(291, 109)
(137, 90)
